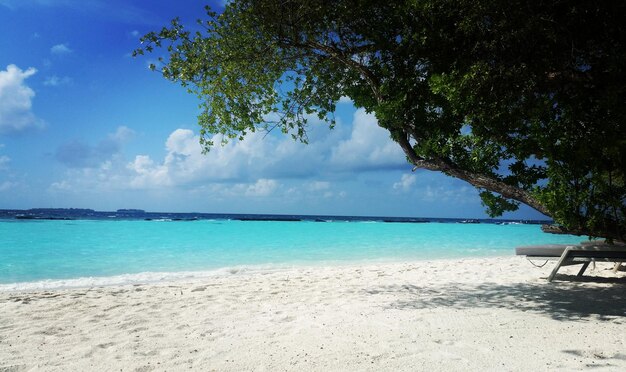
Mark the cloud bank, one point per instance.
(257, 166)
(353, 168)
(366, 147)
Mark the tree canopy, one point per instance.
(525, 100)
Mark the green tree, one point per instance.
(522, 99)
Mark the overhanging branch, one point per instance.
(475, 179)
(347, 60)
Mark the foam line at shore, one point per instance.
(136, 278)
(152, 277)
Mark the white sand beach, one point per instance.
(449, 315)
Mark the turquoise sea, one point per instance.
(87, 252)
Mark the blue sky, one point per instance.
(85, 125)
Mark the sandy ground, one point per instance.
(483, 314)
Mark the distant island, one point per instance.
(140, 214)
(60, 210)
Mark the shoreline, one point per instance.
(476, 314)
(157, 277)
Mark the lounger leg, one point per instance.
(559, 263)
(582, 269)
(617, 266)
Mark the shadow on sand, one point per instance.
(571, 299)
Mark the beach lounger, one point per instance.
(575, 254)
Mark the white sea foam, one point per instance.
(137, 278)
(165, 277)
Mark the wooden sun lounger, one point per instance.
(583, 253)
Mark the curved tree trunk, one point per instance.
(510, 192)
(474, 179)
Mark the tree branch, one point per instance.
(475, 179)
(372, 80)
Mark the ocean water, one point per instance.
(57, 253)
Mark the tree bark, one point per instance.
(475, 179)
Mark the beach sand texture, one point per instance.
(476, 314)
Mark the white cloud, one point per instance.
(345, 99)
(147, 174)
(16, 100)
(60, 49)
(122, 134)
(134, 33)
(368, 146)
(109, 175)
(318, 185)
(182, 141)
(311, 191)
(54, 81)
(142, 164)
(184, 162)
(252, 167)
(405, 183)
(262, 187)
